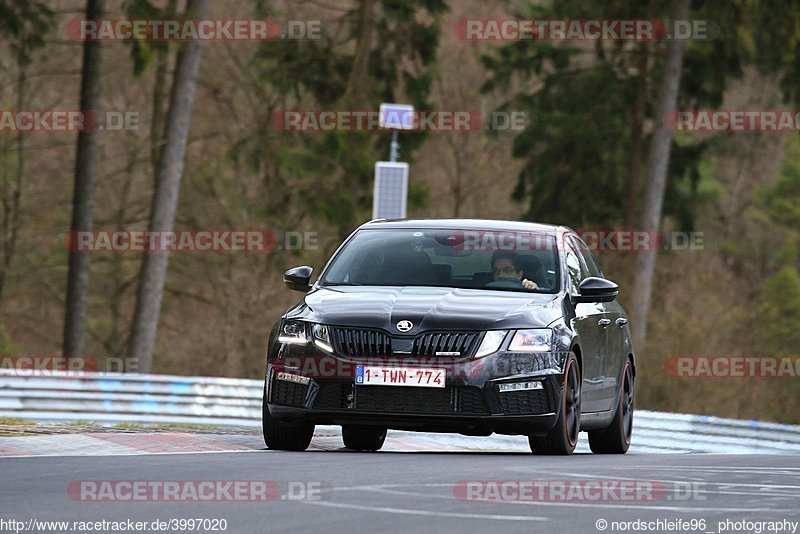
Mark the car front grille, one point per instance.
(462, 400)
(361, 342)
(428, 344)
(366, 343)
(287, 393)
(526, 402)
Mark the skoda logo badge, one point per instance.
(405, 326)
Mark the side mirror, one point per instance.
(594, 289)
(297, 278)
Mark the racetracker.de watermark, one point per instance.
(733, 366)
(344, 120)
(190, 241)
(595, 490)
(723, 120)
(641, 240)
(193, 30)
(38, 365)
(66, 120)
(595, 240)
(302, 368)
(196, 490)
(583, 30)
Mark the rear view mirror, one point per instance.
(595, 289)
(297, 278)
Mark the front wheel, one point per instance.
(363, 438)
(283, 436)
(563, 437)
(617, 437)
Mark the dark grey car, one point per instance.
(454, 325)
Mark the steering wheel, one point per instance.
(506, 283)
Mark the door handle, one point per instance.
(622, 321)
(604, 322)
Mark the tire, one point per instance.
(282, 436)
(563, 437)
(363, 438)
(617, 437)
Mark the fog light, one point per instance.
(520, 386)
(289, 377)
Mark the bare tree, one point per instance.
(165, 199)
(83, 196)
(356, 93)
(159, 98)
(11, 189)
(657, 165)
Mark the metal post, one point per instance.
(394, 147)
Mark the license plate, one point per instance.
(371, 375)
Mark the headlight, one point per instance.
(293, 333)
(322, 337)
(491, 342)
(535, 340)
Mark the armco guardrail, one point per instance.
(121, 398)
(112, 397)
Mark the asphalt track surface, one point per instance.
(414, 491)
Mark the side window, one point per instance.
(588, 259)
(574, 269)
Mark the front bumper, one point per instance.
(471, 401)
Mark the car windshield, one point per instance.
(470, 259)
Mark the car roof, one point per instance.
(466, 224)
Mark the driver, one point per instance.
(505, 266)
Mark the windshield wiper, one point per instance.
(328, 284)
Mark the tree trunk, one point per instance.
(635, 164)
(632, 212)
(83, 196)
(358, 81)
(165, 200)
(159, 95)
(12, 197)
(657, 165)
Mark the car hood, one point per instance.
(428, 308)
